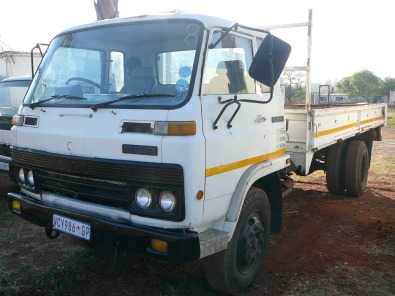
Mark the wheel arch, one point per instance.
(265, 176)
(272, 186)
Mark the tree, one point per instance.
(295, 90)
(345, 85)
(388, 85)
(363, 83)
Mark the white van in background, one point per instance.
(12, 92)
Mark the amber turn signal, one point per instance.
(175, 128)
(159, 246)
(16, 206)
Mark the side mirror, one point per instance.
(270, 60)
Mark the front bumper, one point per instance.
(183, 244)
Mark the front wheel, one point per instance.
(235, 269)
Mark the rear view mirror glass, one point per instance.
(270, 60)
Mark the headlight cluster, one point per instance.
(145, 200)
(26, 177)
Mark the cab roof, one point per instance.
(209, 22)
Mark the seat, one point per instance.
(141, 80)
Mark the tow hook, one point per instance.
(51, 233)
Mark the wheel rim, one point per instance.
(251, 244)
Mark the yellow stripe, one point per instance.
(347, 126)
(371, 120)
(335, 130)
(242, 163)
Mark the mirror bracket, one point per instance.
(225, 32)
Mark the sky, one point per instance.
(348, 35)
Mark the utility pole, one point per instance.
(106, 9)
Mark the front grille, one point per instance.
(5, 150)
(5, 123)
(114, 194)
(102, 181)
(117, 170)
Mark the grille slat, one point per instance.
(128, 171)
(71, 181)
(96, 191)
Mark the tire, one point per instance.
(234, 269)
(357, 167)
(369, 146)
(335, 169)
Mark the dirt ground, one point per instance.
(329, 246)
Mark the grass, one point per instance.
(316, 177)
(384, 166)
(391, 118)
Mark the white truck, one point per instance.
(12, 92)
(171, 131)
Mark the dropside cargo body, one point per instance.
(312, 131)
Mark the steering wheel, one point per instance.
(84, 80)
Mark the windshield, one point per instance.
(12, 93)
(104, 64)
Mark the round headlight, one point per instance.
(30, 178)
(21, 175)
(167, 201)
(143, 198)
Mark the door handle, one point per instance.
(260, 119)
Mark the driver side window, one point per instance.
(74, 57)
(82, 64)
(226, 68)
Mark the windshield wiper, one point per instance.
(39, 103)
(137, 96)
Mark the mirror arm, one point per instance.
(229, 123)
(225, 32)
(225, 101)
(235, 100)
(37, 46)
(227, 104)
(260, 102)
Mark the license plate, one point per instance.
(71, 226)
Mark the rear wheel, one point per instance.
(335, 169)
(357, 167)
(235, 269)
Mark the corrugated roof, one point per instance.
(9, 53)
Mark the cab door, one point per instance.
(242, 134)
